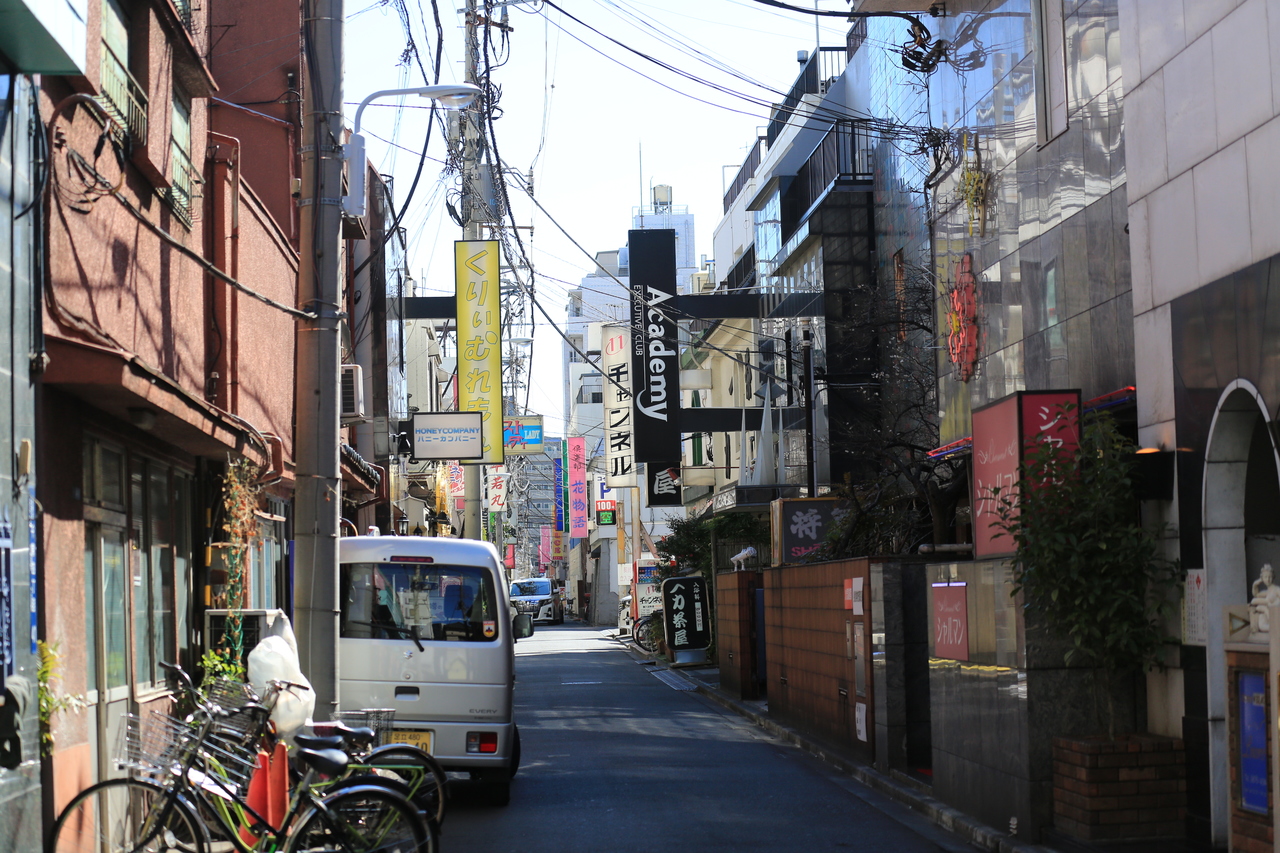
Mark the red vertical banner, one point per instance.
(578, 488)
(950, 621)
(509, 560)
(544, 546)
(1002, 434)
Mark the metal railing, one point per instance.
(181, 190)
(844, 154)
(822, 67)
(183, 8)
(745, 173)
(125, 99)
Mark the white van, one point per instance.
(426, 629)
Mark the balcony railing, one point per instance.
(125, 99)
(745, 173)
(843, 155)
(824, 66)
(181, 192)
(183, 8)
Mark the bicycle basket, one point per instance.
(381, 720)
(154, 743)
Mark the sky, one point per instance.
(596, 124)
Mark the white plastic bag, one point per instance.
(276, 657)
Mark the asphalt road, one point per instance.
(615, 759)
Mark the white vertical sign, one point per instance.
(498, 491)
(619, 438)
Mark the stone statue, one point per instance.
(1266, 594)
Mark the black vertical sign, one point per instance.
(686, 613)
(655, 357)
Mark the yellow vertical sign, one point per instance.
(475, 264)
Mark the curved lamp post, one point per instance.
(451, 96)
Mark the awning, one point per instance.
(118, 383)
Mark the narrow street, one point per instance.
(615, 759)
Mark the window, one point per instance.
(125, 99)
(1051, 70)
(181, 171)
(533, 586)
(406, 600)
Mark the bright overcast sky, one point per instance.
(596, 123)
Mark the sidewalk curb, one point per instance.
(947, 817)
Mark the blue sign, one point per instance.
(1254, 772)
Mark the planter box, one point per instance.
(1129, 788)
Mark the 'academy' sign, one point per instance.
(655, 360)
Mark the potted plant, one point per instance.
(1092, 577)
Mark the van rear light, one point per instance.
(482, 742)
(412, 560)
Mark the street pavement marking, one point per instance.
(669, 678)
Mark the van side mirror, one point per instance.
(522, 626)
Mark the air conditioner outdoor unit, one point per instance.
(255, 625)
(352, 393)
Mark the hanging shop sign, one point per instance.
(615, 365)
(962, 320)
(655, 359)
(448, 435)
(498, 491)
(1002, 433)
(522, 436)
(950, 621)
(578, 497)
(663, 484)
(480, 339)
(557, 476)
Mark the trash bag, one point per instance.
(276, 657)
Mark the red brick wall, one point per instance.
(1132, 787)
(735, 646)
(811, 677)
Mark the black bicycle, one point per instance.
(648, 631)
(186, 774)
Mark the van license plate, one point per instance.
(413, 737)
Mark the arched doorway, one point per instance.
(1241, 529)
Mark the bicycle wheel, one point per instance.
(646, 634)
(126, 814)
(362, 820)
(419, 770)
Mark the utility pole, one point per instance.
(469, 139)
(318, 496)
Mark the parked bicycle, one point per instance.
(648, 631)
(186, 792)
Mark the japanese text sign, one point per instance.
(685, 616)
(1002, 432)
(448, 435)
(615, 365)
(522, 435)
(950, 621)
(480, 338)
(800, 526)
(498, 491)
(578, 496)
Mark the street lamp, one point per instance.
(451, 96)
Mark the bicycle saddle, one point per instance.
(330, 762)
(315, 742)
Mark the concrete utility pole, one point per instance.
(318, 497)
(469, 134)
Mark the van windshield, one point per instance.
(533, 586)
(431, 602)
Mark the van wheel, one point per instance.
(497, 784)
(515, 752)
